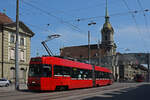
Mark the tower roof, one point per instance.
(106, 13)
(107, 23)
(4, 19)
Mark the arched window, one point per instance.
(12, 54)
(12, 73)
(12, 68)
(22, 41)
(12, 38)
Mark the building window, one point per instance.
(105, 37)
(12, 39)
(12, 54)
(22, 55)
(12, 73)
(22, 41)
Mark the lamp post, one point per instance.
(99, 54)
(148, 67)
(50, 37)
(89, 46)
(89, 24)
(16, 47)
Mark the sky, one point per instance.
(70, 18)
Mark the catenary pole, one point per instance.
(148, 66)
(89, 51)
(16, 48)
(89, 46)
(99, 54)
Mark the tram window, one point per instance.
(46, 71)
(105, 74)
(89, 74)
(66, 71)
(83, 73)
(80, 75)
(102, 75)
(99, 74)
(58, 70)
(86, 73)
(96, 74)
(40, 70)
(75, 73)
(110, 76)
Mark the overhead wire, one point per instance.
(54, 16)
(56, 10)
(83, 19)
(89, 7)
(145, 18)
(48, 13)
(36, 26)
(25, 11)
(144, 14)
(115, 14)
(133, 16)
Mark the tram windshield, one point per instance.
(40, 70)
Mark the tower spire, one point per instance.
(106, 13)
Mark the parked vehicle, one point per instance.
(139, 78)
(4, 82)
(54, 73)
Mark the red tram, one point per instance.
(52, 73)
(139, 78)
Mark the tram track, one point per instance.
(27, 95)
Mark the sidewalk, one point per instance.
(11, 87)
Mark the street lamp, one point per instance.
(53, 36)
(17, 47)
(50, 37)
(89, 24)
(92, 23)
(99, 56)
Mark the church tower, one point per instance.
(107, 34)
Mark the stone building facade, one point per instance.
(7, 48)
(127, 72)
(130, 65)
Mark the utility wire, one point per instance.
(115, 14)
(145, 17)
(59, 19)
(35, 26)
(56, 10)
(133, 16)
(139, 31)
(90, 6)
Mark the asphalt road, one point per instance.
(117, 91)
(141, 92)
